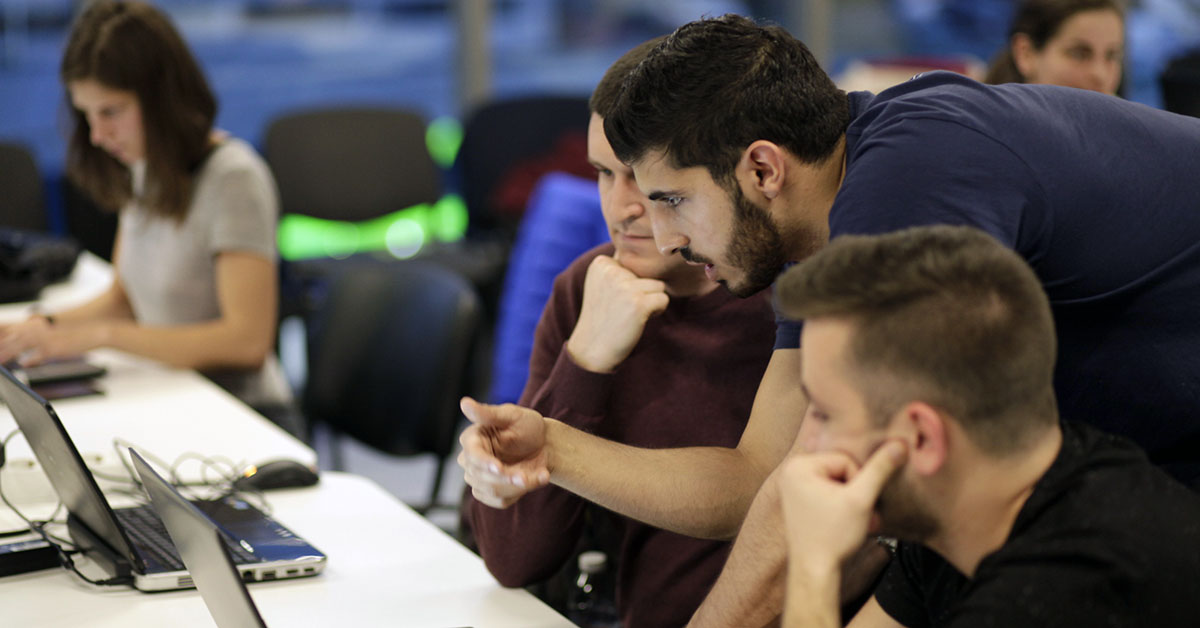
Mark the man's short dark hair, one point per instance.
(945, 315)
(717, 85)
(604, 97)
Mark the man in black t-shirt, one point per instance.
(928, 363)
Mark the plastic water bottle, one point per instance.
(591, 603)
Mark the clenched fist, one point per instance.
(616, 306)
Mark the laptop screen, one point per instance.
(203, 552)
(63, 465)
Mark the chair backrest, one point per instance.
(563, 222)
(21, 201)
(351, 163)
(520, 138)
(388, 354)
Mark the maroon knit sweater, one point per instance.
(690, 381)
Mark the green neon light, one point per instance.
(443, 138)
(402, 233)
(448, 220)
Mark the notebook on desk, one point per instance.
(202, 546)
(132, 542)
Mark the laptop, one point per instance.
(132, 542)
(202, 546)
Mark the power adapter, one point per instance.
(25, 556)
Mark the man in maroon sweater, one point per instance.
(641, 349)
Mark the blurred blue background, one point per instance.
(265, 57)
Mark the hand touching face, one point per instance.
(829, 502)
(616, 306)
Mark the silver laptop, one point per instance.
(202, 546)
(132, 542)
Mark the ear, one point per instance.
(762, 168)
(1024, 55)
(926, 431)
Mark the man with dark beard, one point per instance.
(928, 364)
(754, 158)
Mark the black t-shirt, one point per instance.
(1105, 539)
(1100, 195)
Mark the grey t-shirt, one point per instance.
(168, 268)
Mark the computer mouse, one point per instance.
(276, 474)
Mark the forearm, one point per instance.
(240, 338)
(756, 577)
(750, 589)
(827, 502)
(111, 304)
(812, 595)
(209, 345)
(696, 491)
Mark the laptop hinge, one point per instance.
(97, 550)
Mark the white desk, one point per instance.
(387, 565)
(163, 411)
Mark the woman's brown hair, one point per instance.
(132, 46)
(1040, 20)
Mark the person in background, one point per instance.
(929, 365)
(641, 348)
(1074, 43)
(195, 282)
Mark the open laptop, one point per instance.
(132, 542)
(202, 547)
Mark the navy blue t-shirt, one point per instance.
(1100, 195)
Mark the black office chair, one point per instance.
(500, 140)
(22, 205)
(344, 163)
(388, 356)
(351, 163)
(507, 146)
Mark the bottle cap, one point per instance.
(592, 561)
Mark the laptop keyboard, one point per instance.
(147, 531)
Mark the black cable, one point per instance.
(40, 524)
(225, 468)
(3, 459)
(64, 556)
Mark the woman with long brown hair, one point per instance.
(195, 279)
